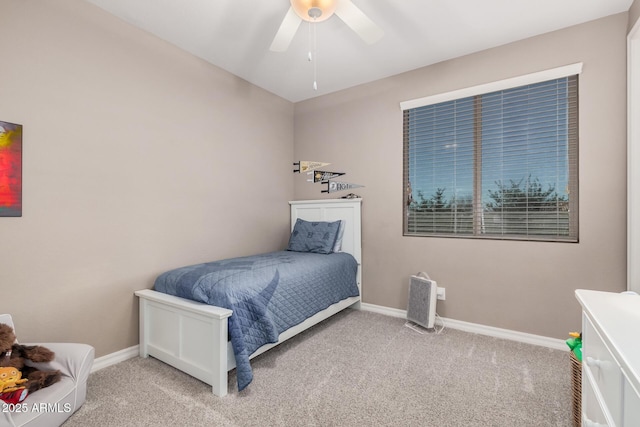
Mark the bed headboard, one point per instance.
(333, 210)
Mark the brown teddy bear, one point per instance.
(15, 355)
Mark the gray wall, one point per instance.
(634, 13)
(523, 286)
(138, 157)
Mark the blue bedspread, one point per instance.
(268, 294)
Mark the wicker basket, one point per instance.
(576, 386)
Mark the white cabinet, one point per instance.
(610, 359)
(631, 405)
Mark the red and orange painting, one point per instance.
(10, 169)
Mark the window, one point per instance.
(499, 164)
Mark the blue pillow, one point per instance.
(338, 245)
(317, 237)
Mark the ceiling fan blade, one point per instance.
(287, 30)
(358, 21)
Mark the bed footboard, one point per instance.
(187, 335)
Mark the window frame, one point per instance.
(479, 90)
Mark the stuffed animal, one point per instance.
(17, 356)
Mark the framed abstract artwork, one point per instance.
(10, 169)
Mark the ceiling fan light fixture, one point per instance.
(315, 13)
(314, 10)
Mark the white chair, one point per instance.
(51, 406)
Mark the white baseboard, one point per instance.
(117, 357)
(557, 344)
(476, 328)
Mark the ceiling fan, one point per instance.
(321, 10)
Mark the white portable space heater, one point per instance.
(423, 295)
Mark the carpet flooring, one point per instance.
(355, 369)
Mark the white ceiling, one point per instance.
(236, 34)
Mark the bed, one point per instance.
(193, 335)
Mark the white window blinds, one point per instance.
(501, 164)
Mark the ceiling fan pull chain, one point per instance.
(315, 53)
(309, 56)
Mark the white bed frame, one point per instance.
(192, 336)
